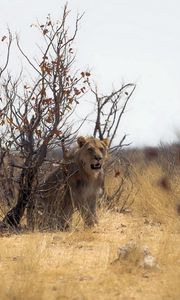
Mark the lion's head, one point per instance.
(92, 154)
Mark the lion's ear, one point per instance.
(81, 140)
(106, 142)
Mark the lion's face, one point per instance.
(92, 154)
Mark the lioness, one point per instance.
(74, 185)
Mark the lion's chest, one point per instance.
(87, 189)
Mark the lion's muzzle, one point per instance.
(96, 166)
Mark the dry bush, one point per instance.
(120, 185)
(36, 112)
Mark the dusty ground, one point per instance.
(84, 264)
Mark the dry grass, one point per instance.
(83, 264)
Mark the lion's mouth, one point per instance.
(96, 166)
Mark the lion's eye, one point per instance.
(90, 149)
(101, 149)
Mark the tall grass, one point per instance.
(84, 264)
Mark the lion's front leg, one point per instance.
(88, 212)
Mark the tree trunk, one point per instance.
(13, 217)
(31, 168)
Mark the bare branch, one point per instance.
(8, 53)
(110, 110)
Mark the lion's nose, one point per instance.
(98, 157)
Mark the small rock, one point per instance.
(146, 222)
(125, 250)
(145, 275)
(149, 261)
(14, 258)
(135, 254)
(146, 250)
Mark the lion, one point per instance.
(75, 185)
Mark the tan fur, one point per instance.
(76, 184)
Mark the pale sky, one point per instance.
(120, 40)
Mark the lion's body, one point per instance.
(75, 185)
